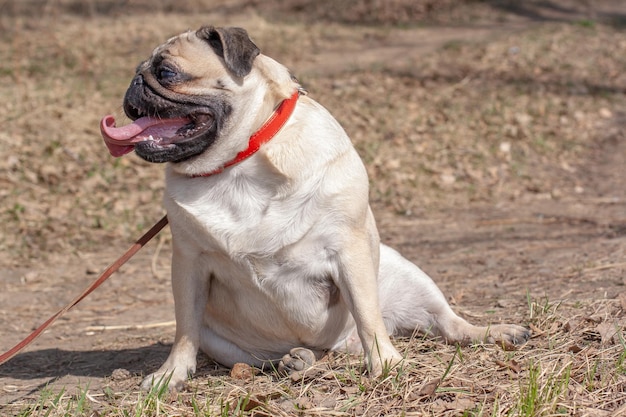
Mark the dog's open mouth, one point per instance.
(160, 133)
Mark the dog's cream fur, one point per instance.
(281, 251)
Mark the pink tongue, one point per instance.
(121, 140)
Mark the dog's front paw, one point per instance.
(382, 363)
(297, 360)
(508, 334)
(172, 380)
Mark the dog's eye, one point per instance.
(166, 74)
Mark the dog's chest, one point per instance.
(270, 255)
(240, 217)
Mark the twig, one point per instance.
(606, 266)
(130, 326)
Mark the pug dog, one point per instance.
(276, 254)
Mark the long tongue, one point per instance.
(121, 140)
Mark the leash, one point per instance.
(103, 277)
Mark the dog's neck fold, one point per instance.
(265, 133)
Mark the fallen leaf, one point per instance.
(607, 330)
(572, 324)
(304, 403)
(574, 348)
(594, 319)
(536, 330)
(440, 405)
(462, 404)
(324, 400)
(507, 346)
(429, 388)
(513, 365)
(247, 404)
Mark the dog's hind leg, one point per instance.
(411, 301)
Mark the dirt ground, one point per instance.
(508, 206)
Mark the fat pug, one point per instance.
(276, 255)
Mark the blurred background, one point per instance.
(448, 102)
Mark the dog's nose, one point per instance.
(138, 80)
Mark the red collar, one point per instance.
(269, 129)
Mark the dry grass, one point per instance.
(556, 373)
(512, 119)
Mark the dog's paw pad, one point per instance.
(298, 359)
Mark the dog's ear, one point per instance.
(232, 44)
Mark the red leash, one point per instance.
(103, 277)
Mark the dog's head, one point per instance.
(181, 81)
(182, 96)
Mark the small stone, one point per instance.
(29, 277)
(605, 113)
(120, 374)
(242, 371)
(91, 270)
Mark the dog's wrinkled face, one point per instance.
(179, 97)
